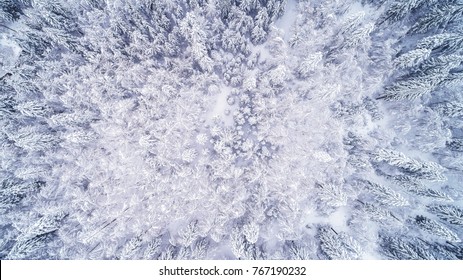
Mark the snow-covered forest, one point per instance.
(231, 129)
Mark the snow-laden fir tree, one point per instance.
(448, 213)
(338, 246)
(399, 248)
(434, 228)
(449, 109)
(397, 10)
(422, 170)
(385, 195)
(152, 249)
(439, 15)
(455, 144)
(12, 192)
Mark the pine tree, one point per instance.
(27, 249)
(33, 109)
(385, 195)
(276, 8)
(432, 193)
(376, 213)
(309, 64)
(449, 109)
(408, 89)
(259, 31)
(168, 254)
(258, 34)
(95, 4)
(10, 10)
(184, 253)
(446, 251)
(455, 144)
(33, 172)
(278, 75)
(199, 249)
(453, 80)
(400, 9)
(415, 186)
(130, 248)
(423, 170)
(358, 37)
(31, 139)
(338, 246)
(445, 44)
(189, 234)
(249, 5)
(192, 28)
(13, 191)
(299, 252)
(448, 213)
(332, 195)
(434, 228)
(44, 226)
(238, 243)
(80, 137)
(252, 252)
(439, 16)
(7, 104)
(251, 232)
(74, 119)
(412, 58)
(352, 23)
(153, 248)
(398, 248)
(425, 79)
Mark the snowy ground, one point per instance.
(9, 54)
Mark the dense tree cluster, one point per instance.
(237, 129)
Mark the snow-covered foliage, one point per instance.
(238, 129)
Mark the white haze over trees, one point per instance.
(231, 129)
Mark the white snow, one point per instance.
(221, 109)
(286, 22)
(9, 54)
